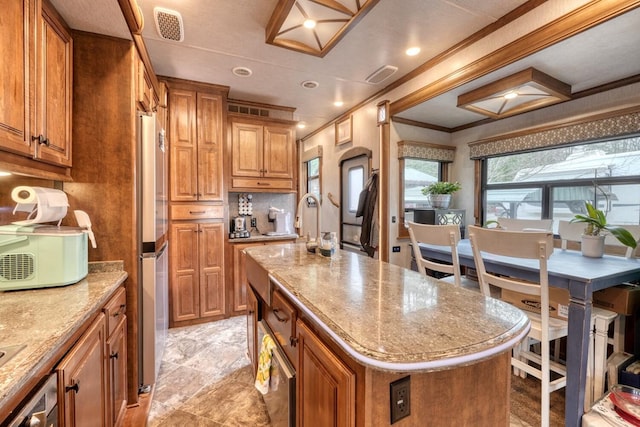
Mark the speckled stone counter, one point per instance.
(43, 320)
(390, 318)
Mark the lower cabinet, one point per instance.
(239, 280)
(93, 374)
(326, 387)
(115, 311)
(197, 271)
(82, 379)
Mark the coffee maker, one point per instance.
(239, 228)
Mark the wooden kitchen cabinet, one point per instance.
(147, 97)
(197, 271)
(238, 289)
(36, 103)
(115, 314)
(326, 386)
(253, 314)
(263, 155)
(196, 124)
(82, 379)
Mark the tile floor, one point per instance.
(205, 381)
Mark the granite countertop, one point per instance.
(255, 237)
(388, 317)
(42, 320)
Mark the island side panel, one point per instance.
(475, 395)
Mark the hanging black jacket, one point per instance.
(367, 210)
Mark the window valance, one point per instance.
(426, 151)
(603, 127)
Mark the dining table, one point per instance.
(567, 269)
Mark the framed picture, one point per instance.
(344, 130)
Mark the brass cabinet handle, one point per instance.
(114, 355)
(197, 212)
(40, 139)
(263, 183)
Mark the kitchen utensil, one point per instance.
(84, 222)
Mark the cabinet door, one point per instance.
(211, 250)
(278, 152)
(117, 374)
(247, 145)
(54, 90)
(183, 160)
(16, 46)
(185, 295)
(83, 380)
(240, 277)
(326, 387)
(252, 336)
(210, 147)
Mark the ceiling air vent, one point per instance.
(169, 24)
(381, 74)
(309, 84)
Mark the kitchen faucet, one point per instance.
(298, 223)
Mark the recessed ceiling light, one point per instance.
(3, 173)
(309, 84)
(242, 71)
(309, 23)
(301, 125)
(510, 95)
(413, 51)
(338, 103)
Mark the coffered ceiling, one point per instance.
(222, 35)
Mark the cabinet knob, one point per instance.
(40, 139)
(75, 387)
(293, 341)
(113, 355)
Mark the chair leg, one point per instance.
(591, 364)
(546, 379)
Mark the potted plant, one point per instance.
(439, 193)
(596, 222)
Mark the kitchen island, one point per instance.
(44, 324)
(357, 325)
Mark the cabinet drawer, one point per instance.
(262, 183)
(192, 212)
(115, 310)
(281, 317)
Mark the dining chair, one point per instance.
(610, 239)
(516, 224)
(569, 232)
(439, 235)
(526, 245)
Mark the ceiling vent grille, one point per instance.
(381, 74)
(252, 111)
(169, 24)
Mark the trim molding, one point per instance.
(594, 127)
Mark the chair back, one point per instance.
(515, 244)
(436, 235)
(570, 232)
(514, 224)
(611, 240)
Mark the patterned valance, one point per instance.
(579, 132)
(426, 151)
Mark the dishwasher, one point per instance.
(280, 400)
(42, 409)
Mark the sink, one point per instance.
(8, 352)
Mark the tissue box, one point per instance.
(628, 378)
(558, 302)
(622, 299)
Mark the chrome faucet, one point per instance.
(298, 223)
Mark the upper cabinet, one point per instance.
(263, 154)
(196, 129)
(36, 90)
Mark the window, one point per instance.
(312, 162)
(555, 183)
(420, 164)
(355, 187)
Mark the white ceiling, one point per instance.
(223, 34)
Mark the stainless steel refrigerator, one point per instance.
(153, 248)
